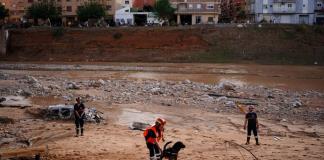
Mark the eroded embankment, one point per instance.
(270, 44)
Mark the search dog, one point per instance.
(171, 153)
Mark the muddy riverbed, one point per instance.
(203, 104)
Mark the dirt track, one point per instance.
(202, 129)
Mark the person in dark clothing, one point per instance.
(251, 120)
(79, 116)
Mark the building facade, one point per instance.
(18, 8)
(130, 12)
(190, 12)
(319, 12)
(281, 11)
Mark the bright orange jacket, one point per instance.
(151, 139)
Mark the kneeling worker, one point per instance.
(152, 136)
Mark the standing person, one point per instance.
(251, 120)
(152, 136)
(79, 116)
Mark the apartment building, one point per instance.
(190, 12)
(18, 8)
(281, 11)
(319, 11)
(130, 12)
(232, 10)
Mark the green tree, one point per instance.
(45, 10)
(164, 10)
(3, 12)
(92, 10)
(241, 15)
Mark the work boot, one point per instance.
(81, 131)
(257, 141)
(247, 140)
(77, 132)
(158, 156)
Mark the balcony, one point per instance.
(284, 8)
(214, 11)
(183, 8)
(284, 1)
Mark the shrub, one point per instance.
(117, 35)
(58, 32)
(319, 29)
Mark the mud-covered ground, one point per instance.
(199, 101)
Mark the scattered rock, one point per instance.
(7, 140)
(24, 93)
(187, 81)
(221, 99)
(16, 101)
(296, 103)
(53, 86)
(72, 85)
(230, 104)
(227, 86)
(156, 91)
(283, 120)
(139, 126)
(4, 76)
(102, 82)
(31, 80)
(6, 120)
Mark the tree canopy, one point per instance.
(3, 12)
(44, 10)
(92, 10)
(163, 9)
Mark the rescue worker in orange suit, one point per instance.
(152, 136)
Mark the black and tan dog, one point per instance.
(171, 153)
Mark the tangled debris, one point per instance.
(272, 103)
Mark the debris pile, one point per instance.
(219, 97)
(65, 112)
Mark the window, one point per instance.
(126, 10)
(190, 6)
(108, 7)
(127, 2)
(69, 8)
(198, 19)
(210, 19)
(30, 1)
(68, 0)
(270, 5)
(319, 5)
(210, 6)
(304, 5)
(289, 5)
(265, 6)
(198, 6)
